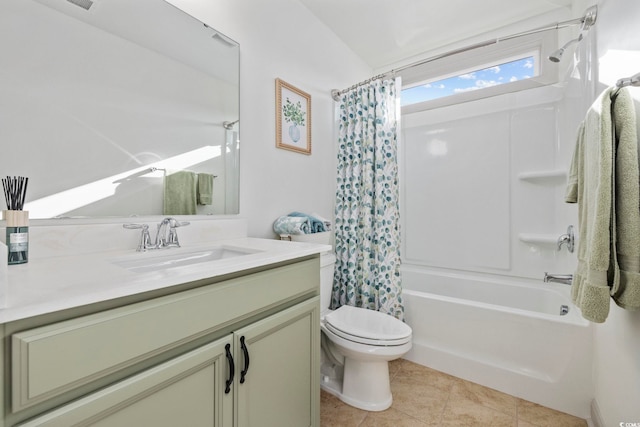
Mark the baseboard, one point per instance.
(596, 418)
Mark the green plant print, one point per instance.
(293, 112)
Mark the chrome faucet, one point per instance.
(567, 279)
(166, 236)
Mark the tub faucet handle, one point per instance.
(568, 239)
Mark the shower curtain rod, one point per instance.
(586, 21)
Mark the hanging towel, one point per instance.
(205, 189)
(607, 193)
(180, 193)
(292, 225)
(316, 225)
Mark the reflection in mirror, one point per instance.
(100, 100)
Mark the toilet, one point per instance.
(357, 345)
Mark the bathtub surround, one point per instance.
(367, 233)
(476, 178)
(607, 194)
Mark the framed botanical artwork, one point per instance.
(293, 118)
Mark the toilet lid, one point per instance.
(367, 326)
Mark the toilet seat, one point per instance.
(367, 326)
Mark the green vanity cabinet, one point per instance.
(239, 352)
(183, 391)
(281, 386)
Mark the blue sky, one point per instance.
(492, 76)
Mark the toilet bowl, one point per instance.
(357, 345)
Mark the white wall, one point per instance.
(282, 39)
(617, 341)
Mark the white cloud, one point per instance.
(495, 69)
(480, 84)
(528, 64)
(432, 86)
(486, 83)
(513, 79)
(469, 76)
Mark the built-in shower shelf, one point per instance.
(538, 239)
(544, 177)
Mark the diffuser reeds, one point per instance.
(15, 190)
(17, 220)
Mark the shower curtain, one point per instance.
(367, 232)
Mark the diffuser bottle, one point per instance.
(17, 220)
(17, 236)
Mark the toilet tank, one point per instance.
(327, 263)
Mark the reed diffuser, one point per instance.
(15, 190)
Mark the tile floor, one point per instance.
(425, 397)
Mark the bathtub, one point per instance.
(503, 333)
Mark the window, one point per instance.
(508, 72)
(508, 66)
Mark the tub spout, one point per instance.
(558, 278)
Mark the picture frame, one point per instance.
(293, 118)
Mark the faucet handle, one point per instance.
(172, 238)
(172, 235)
(145, 237)
(568, 238)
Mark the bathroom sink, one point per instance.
(153, 261)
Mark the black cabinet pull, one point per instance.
(243, 346)
(232, 369)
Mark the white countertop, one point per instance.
(50, 284)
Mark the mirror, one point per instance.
(100, 100)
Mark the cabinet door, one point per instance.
(281, 386)
(188, 390)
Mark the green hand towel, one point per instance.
(180, 193)
(205, 189)
(608, 216)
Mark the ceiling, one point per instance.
(384, 32)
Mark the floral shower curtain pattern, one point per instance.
(367, 239)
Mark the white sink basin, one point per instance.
(172, 258)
